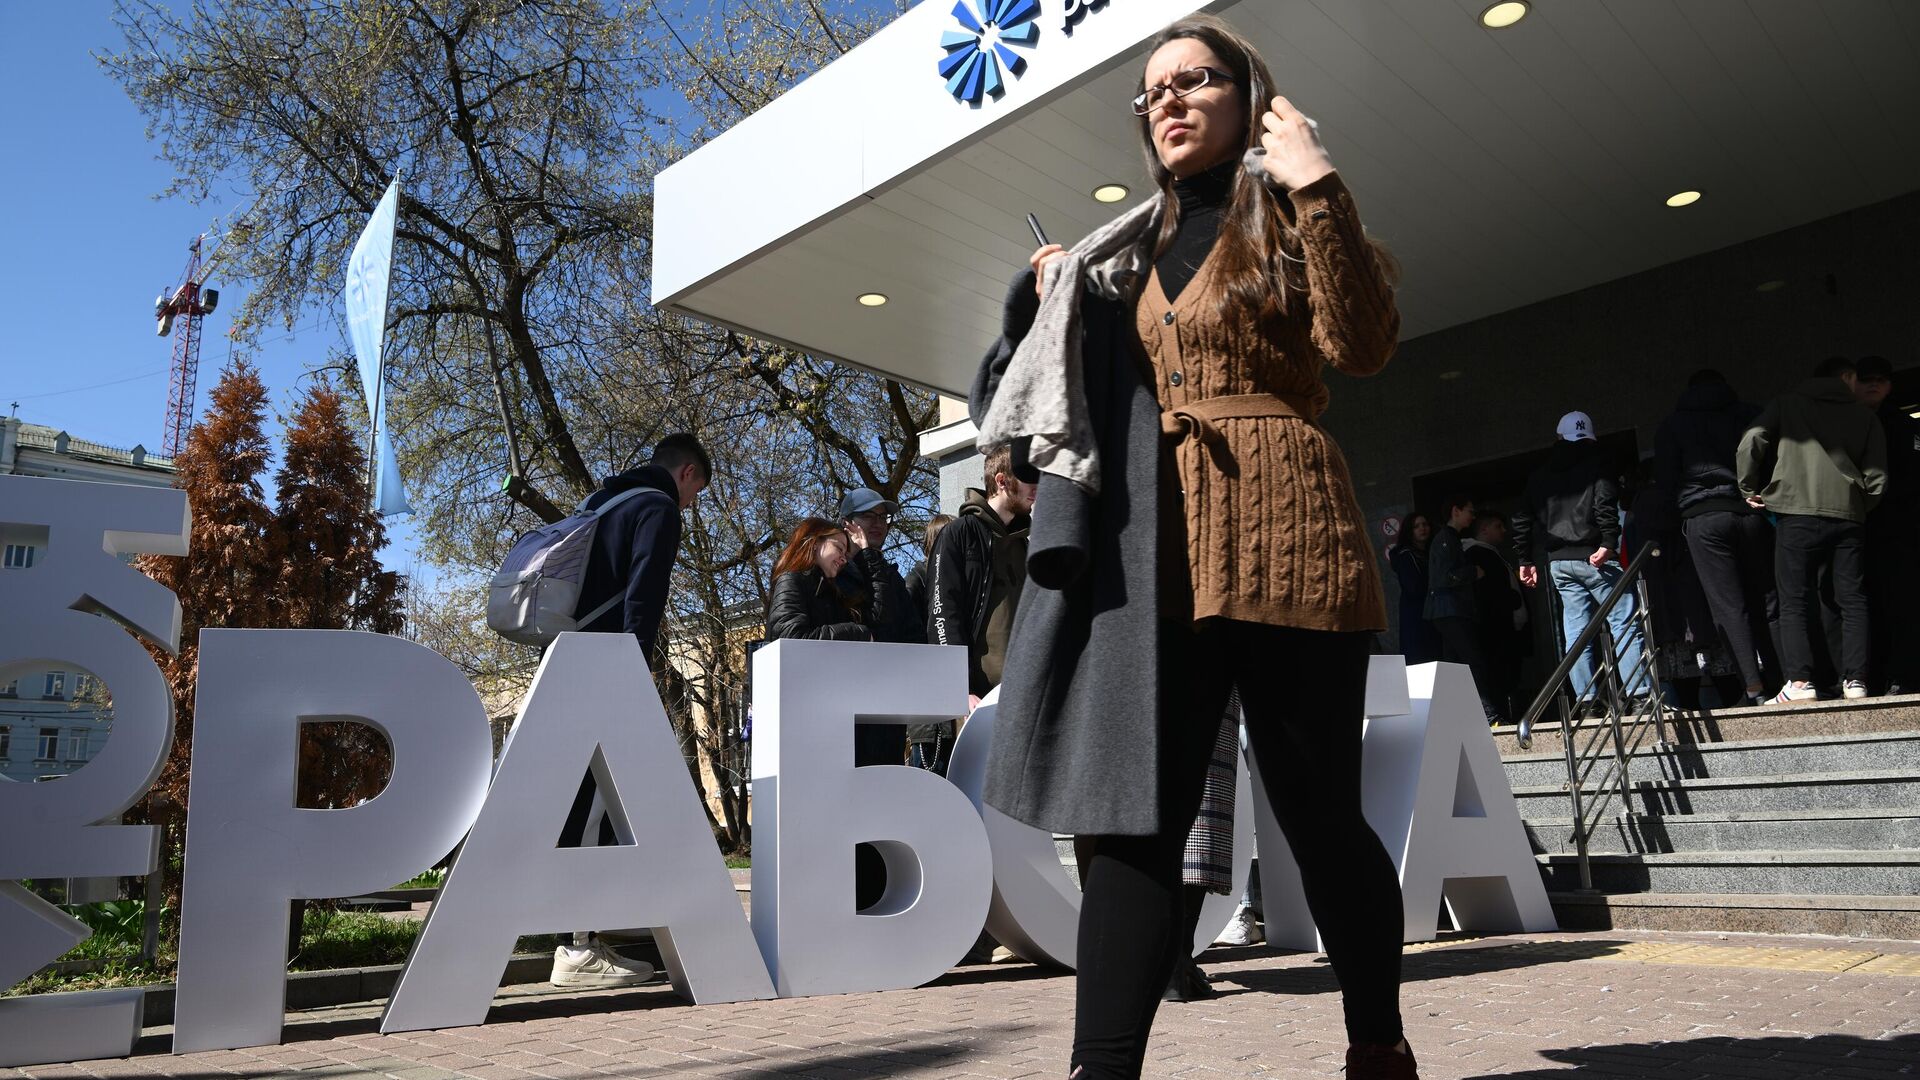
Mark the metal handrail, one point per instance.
(1585, 770)
(1595, 626)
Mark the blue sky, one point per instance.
(89, 247)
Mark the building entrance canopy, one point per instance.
(1502, 167)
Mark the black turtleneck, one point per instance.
(1203, 202)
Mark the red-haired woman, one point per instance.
(805, 604)
(1198, 531)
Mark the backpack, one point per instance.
(533, 597)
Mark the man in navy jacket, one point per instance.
(636, 542)
(634, 546)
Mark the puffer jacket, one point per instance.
(806, 605)
(1571, 508)
(1695, 446)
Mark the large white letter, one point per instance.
(592, 705)
(1439, 799)
(811, 806)
(1434, 791)
(250, 850)
(1036, 905)
(53, 619)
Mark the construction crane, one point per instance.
(178, 311)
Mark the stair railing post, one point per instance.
(1610, 658)
(1567, 721)
(1649, 658)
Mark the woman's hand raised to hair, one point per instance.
(1294, 156)
(1039, 260)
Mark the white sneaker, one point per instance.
(595, 965)
(1853, 689)
(1791, 692)
(1243, 930)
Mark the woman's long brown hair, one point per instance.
(801, 552)
(1257, 244)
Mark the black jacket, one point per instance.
(633, 551)
(1496, 595)
(871, 586)
(1693, 451)
(960, 597)
(1449, 577)
(1902, 497)
(1571, 509)
(806, 605)
(917, 589)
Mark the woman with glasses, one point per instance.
(1200, 532)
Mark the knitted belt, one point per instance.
(1197, 419)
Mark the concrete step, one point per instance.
(1894, 918)
(1747, 757)
(1861, 873)
(1861, 789)
(1758, 830)
(1700, 727)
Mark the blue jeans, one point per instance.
(1582, 586)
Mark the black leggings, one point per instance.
(1304, 693)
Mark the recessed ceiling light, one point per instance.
(1770, 286)
(1110, 192)
(1504, 14)
(872, 299)
(1683, 198)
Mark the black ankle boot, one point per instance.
(1189, 983)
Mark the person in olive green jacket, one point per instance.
(1818, 461)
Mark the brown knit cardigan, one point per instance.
(1274, 531)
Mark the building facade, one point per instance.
(54, 720)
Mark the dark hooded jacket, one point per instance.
(1694, 449)
(1571, 508)
(633, 551)
(977, 571)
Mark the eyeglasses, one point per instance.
(1180, 85)
(873, 517)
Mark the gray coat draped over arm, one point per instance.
(1083, 700)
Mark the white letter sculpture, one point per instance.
(592, 706)
(250, 850)
(1036, 905)
(1434, 791)
(53, 619)
(811, 806)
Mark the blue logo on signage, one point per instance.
(978, 55)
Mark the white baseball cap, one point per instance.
(1575, 426)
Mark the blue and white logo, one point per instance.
(978, 55)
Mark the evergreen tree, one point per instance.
(227, 577)
(330, 579)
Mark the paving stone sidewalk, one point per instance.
(1626, 1004)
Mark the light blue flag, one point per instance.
(366, 296)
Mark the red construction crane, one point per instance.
(179, 310)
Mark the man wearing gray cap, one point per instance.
(868, 517)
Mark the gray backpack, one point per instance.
(533, 597)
